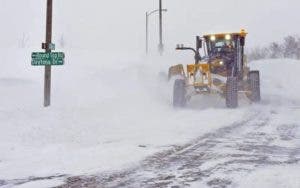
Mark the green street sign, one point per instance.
(47, 58)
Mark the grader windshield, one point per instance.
(222, 44)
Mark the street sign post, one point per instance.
(50, 46)
(47, 58)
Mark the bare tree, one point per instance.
(258, 53)
(275, 50)
(291, 47)
(298, 48)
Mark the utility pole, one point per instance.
(47, 81)
(160, 46)
(147, 33)
(147, 26)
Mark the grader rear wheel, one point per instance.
(254, 82)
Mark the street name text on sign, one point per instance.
(47, 58)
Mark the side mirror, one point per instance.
(198, 42)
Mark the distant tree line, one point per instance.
(288, 48)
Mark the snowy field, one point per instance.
(110, 112)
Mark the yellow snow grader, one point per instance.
(221, 70)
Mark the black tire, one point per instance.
(232, 92)
(179, 99)
(254, 82)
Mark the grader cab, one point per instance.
(222, 69)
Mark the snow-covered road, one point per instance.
(111, 121)
(265, 139)
(220, 159)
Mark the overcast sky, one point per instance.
(120, 24)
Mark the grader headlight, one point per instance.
(228, 37)
(213, 38)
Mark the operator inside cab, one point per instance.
(222, 45)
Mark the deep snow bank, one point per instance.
(279, 81)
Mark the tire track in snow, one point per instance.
(16, 182)
(214, 159)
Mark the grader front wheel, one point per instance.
(179, 99)
(232, 92)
